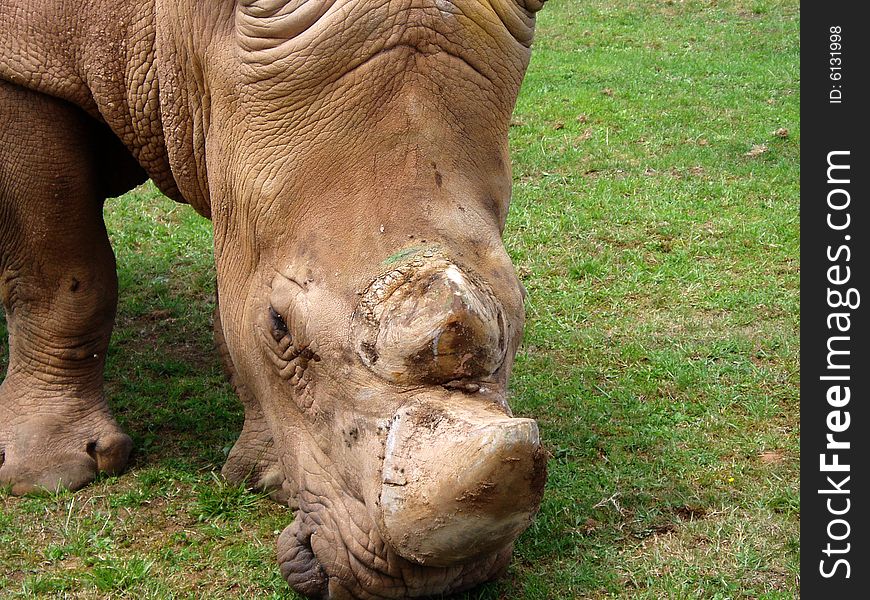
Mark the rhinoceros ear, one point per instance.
(532, 5)
(519, 17)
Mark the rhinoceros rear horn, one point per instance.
(430, 321)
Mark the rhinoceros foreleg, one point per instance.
(59, 290)
(253, 459)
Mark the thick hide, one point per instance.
(352, 155)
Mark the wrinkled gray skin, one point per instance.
(353, 158)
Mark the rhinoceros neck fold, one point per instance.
(188, 38)
(100, 58)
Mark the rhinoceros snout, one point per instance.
(457, 483)
(430, 321)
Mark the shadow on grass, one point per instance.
(164, 380)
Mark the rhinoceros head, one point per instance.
(359, 179)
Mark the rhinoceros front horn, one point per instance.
(458, 482)
(428, 321)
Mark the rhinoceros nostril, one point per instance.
(299, 565)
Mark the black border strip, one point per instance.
(834, 339)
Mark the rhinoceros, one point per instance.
(353, 159)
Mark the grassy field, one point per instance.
(655, 225)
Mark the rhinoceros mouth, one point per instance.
(333, 550)
(436, 513)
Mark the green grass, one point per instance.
(655, 226)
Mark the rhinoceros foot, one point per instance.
(48, 446)
(253, 459)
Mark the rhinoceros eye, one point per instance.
(277, 325)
